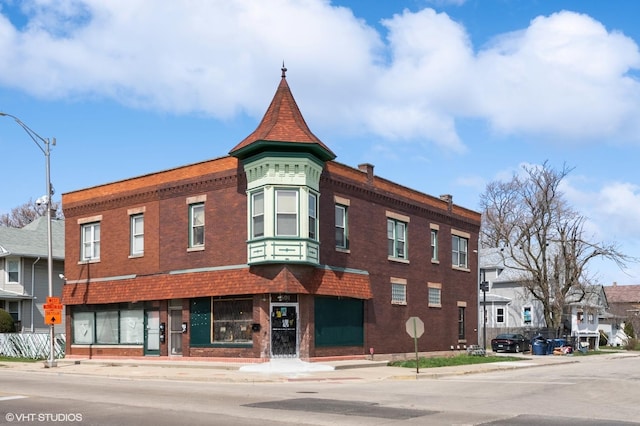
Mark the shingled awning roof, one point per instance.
(319, 281)
(282, 127)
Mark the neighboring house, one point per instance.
(611, 327)
(24, 283)
(582, 313)
(624, 307)
(511, 308)
(273, 251)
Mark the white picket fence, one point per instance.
(31, 345)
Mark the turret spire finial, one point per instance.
(284, 70)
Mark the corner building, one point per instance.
(275, 250)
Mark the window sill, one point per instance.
(435, 306)
(460, 268)
(435, 261)
(85, 262)
(343, 250)
(399, 303)
(106, 345)
(135, 256)
(398, 259)
(223, 345)
(199, 248)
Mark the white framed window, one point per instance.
(398, 291)
(90, 241)
(434, 244)
(459, 247)
(13, 270)
(526, 315)
(257, 214)
(500, 315)
(196, 225)
(397, 238)
(435, 295)
(286, 213)
(313, 216)
(137, 234)
(341, 226)
(13, 307)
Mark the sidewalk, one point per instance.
(274, 371)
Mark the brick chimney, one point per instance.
(368, 169)
(449, 200)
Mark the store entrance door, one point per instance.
(152, 333)
(284, 330)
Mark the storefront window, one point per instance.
(83, 328)
(131, 326)
(232, 320)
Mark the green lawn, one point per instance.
(10, 359)
(448, 361)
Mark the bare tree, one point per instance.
(543, 238)
(27, 213)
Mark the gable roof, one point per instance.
(499, 259)
(623, 293)
(32, 241)
(282, 127)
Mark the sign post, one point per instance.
(415, 329)
(52, 311)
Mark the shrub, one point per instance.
(628, 329)
(632, 344)
(6, 322)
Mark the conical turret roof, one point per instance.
(282, 128)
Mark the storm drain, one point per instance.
(345, 408)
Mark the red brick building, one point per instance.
(273, 251)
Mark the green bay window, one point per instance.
(286, 213)
(257, 214)
(313, 216)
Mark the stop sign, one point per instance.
(415, 327)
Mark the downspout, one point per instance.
(33, 296)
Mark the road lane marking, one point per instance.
(9, 398)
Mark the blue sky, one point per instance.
(441, 96)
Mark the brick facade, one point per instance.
(170, 271)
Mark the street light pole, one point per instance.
(484, 286)
(45, 148)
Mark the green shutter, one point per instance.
(339, 322)
(200, 321)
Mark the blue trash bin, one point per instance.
(539, 346)
(550, 346)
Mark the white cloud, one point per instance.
(564, 76)
(210, 57)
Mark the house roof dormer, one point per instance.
(282, 129)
